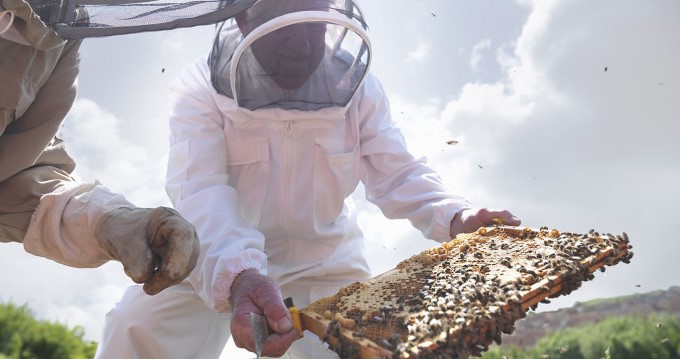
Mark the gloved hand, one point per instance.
(469, 220)
(254, 292)
(156, 246)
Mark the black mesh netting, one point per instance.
(74, 19)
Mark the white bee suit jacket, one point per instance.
(266, 189)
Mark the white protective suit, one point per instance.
(266, 190)
(226, 174)
(285, 179)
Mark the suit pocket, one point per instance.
(248, 169)
(336, 175)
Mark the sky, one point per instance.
(566, 113)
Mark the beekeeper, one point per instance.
(41, 205)
(270, 134)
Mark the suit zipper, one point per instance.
(287, 190)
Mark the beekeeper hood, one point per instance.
(77, 19)
(300, 55)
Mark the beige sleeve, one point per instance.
(37, 89)
(63, 227)
(41, 205)
(21, 195)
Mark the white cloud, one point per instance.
(488, 102)
(128, 156)
(476, 56)
(421, 53)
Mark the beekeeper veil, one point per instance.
(77, 19)
(302, 55)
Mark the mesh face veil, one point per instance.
(302, 55)
(77, 19)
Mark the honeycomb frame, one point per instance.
(454, 300)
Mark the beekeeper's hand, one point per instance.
(156, 246)
(469, 220)
(254, 292)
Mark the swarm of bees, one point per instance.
(456, 299)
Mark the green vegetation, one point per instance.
(626, 337)
(654, 337)
(24, 337)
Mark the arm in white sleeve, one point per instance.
(63, 226)
(197, 184)
(401, 185)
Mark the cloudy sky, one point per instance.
(565, 112)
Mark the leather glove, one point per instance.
(156, 246)
(469, 220)
(254, 292)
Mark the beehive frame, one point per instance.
(456, 299)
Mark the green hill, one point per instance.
(537, 325)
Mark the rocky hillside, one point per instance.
(536, 325)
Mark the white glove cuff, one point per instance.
(440, 228)
(227, 270)
(62, 227)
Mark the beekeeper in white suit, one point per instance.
(269, 136)
(41, 204)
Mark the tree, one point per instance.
(22, 336)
